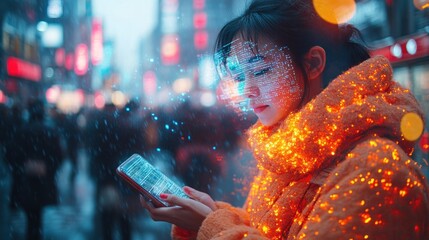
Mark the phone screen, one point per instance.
(148, 180)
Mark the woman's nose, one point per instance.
(251, 90)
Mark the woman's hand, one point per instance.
(184, 213)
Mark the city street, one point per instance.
(73, 218)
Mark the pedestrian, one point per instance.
(113, 135)
(333, 161)
(34, 155)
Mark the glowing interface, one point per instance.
(262, 72)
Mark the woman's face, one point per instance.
(267, 77)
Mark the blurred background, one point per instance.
(132, 76)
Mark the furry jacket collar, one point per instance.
(364, 101)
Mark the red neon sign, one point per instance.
(199, 4)
(201, 39)
(69, 61)
(16, 67)
(405, 49)
(81, 59)
(96, 42)
(60, 56)
(200, 20)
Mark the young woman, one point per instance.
(333, 161)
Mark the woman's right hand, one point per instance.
(184, 213)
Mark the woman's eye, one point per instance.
(240, 77)
(263, 71)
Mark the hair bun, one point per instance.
(346, 32)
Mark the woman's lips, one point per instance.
(259, 109)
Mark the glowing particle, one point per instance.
(416, 228)
(367, 219)
(411, 126)
(395, 155)
(402, 193)
(373, 143)
(265, 229)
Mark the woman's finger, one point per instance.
(196, 206)
(201, 197)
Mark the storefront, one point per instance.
(22, 79)
(21, 74)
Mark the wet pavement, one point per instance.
(73, 218)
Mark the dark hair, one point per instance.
(295, 24)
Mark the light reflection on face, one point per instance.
(265, 77)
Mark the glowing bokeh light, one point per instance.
(42, 26)
(424, 142)
(149, 83)
(119, 98)
(182, 85)
(335, 11)
(80, 96)
(421, 4)
(411, 46)
(69, 101)
(396, 50)
(411, 126)
(208, 99)
(99, 101)
(2, 97)
(52, 94)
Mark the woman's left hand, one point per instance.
(184, 213)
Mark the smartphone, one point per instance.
(148, 180)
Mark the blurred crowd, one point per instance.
(202, 147)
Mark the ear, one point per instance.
(314, 62)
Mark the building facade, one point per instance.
(44, 43)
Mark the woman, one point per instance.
(333, 162)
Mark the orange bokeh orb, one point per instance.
(421, 4)
(335, 11)
(411, 126)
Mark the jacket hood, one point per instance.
(363, 101)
